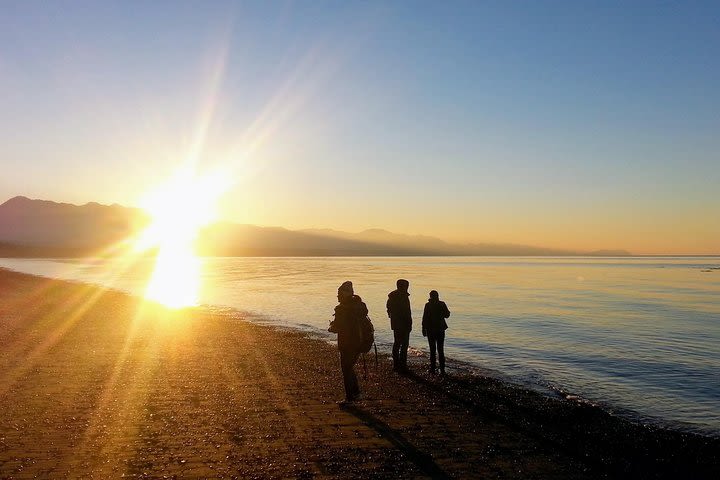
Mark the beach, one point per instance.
(95, 383)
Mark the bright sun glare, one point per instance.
(179, 209)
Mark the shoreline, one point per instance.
(94, 382)
(547, 388)
(418, 355)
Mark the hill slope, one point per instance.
(41, 228)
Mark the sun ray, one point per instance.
(76, 306)
(179, 209)
(131, 378)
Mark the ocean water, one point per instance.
(637, 336)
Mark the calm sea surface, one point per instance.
(639, 336)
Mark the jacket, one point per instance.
(347, 315)
(398, 308)
(434, 316)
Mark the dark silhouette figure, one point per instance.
(398, 308)
(434, 326)
(348, 313)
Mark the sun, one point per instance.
(179, 209)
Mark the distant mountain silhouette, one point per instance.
(378, 236)
(227, 239)
(435, 246)
(40, 228)
(36, 226)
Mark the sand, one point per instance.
(98, 384)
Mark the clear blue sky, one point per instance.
(568, 124)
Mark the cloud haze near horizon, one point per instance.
(568, 124)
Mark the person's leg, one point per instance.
(441, 351)
(355, 385)
(432, 343)
(404, 348)
(347, 362)
(397, 340)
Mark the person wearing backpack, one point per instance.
(398, 309)
(349, 315)
(434, 326)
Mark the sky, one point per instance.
(576, 125)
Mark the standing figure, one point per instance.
(434, 326)
(398, 308)
(348, 314)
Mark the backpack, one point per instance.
(366, 334)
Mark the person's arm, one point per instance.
(446, 314)
(425, 319)
(387, 306)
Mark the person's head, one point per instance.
(402, 284)
(345, 291)
(434, 295)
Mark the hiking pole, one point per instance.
(376, 357)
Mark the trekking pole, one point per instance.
(376, 357)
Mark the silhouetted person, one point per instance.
(434, 326)
(347, 314)
(398, 308)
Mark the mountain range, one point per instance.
(41, 228)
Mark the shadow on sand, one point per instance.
(423, 461)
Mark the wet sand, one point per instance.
(98, 384)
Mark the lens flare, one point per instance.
(178, 210)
